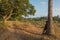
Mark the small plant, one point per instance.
(3, 25)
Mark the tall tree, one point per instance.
(5, 10)
(15, 9)
(49, 29)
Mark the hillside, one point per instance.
(15, 30)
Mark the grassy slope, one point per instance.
(16, 30)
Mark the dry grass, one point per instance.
(16, 30)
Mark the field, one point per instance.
(27, 30)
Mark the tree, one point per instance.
(49, 29)
(5, 10)
(15, 9)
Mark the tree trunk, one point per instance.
(4, 20)
(49, 29)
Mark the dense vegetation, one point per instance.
(55, 18)
(14, 9)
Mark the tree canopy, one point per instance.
(15, 9)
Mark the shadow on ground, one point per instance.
(20, 32)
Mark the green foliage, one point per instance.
(15, 8)
(56, 18)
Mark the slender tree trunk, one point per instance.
(49, 29)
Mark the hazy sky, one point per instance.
(41, 7)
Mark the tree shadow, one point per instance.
(48, 37)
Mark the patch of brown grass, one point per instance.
(25, 31)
